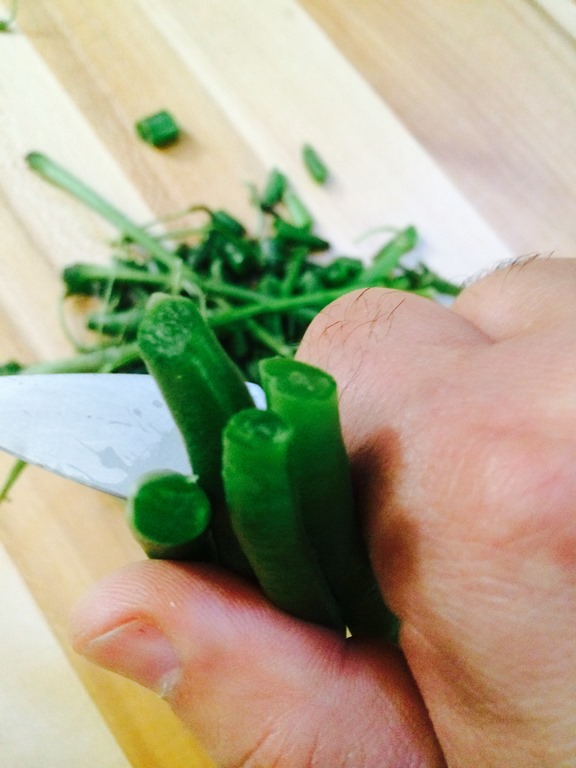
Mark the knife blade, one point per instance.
(101, 430)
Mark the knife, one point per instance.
(103, 430)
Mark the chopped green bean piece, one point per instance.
(314, 164)
(10, 368)
(227, 224)
(159, 129)
(274, 190)
(341, 271)
(300, 216)
(387, 259)
(299, 236)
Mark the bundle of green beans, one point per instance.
(258, 289)
(271, 497)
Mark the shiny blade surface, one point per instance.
(101, 430)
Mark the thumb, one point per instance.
(255, 686)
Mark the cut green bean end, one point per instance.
(168, 323)
(169, 508)
(296, 379)
(253, 429)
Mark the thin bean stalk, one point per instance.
(258, 291)
(7, 23)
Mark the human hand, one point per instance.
(461, 430)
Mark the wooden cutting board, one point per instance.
(416, 110)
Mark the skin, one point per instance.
(461, 428)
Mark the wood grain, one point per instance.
(33, 669)
(563, 12)
(458, 117)
(488, 89)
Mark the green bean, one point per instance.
(159, 129)
(274, 189)
(388, 257)
(169, 515)
(86, 279)
(263, 501)
(203, 389)
(227, 224)
(296, 235)
(341, 271)
(299, 214)
(306, 399)
(314, 164)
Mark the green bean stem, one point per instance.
(53, 172)
(101, 360)
(16, 470)
(6, 24)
